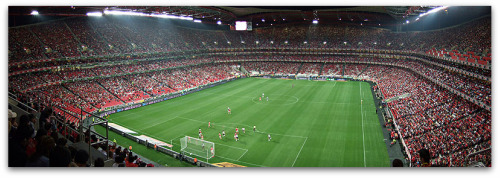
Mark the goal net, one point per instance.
(198, 147)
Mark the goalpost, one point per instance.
(198, 147)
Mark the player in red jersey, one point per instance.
(236, 130)
(228, 110)
(208, 124)
(220, 136)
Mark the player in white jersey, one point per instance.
(268, 137)
(243, 129)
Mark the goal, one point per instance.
(198, 147)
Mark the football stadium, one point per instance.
(249, 86)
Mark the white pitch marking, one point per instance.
(300, 151)
(362, 125)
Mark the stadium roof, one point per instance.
(260, 16)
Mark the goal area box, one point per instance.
(194, 146)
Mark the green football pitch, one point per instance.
(313, 124)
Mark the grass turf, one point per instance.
(313, 124)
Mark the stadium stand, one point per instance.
(432, 117)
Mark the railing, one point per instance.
(476, 153)
(24, 107)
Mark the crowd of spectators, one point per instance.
(424, 117)
(272, 68)
(354, 69)
(310, 68)
(90, 37)
(430, 117)
(332, 69)
(478, 89)
(93, 93)
(47, 141)
(56, 39)
(46, 146)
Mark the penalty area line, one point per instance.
(300, 151)
(242, 155)
(240, 161)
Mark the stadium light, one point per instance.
(272, 42)
(186, 18)
(324, 42)
(197, 20)
(407, 21)
(34, 12)
(315, 21)
(94, 14)
(131, 13)
(437, 9)
(305, 42)
(165, 16)
(219, 22)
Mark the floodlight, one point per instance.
(95, 14)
